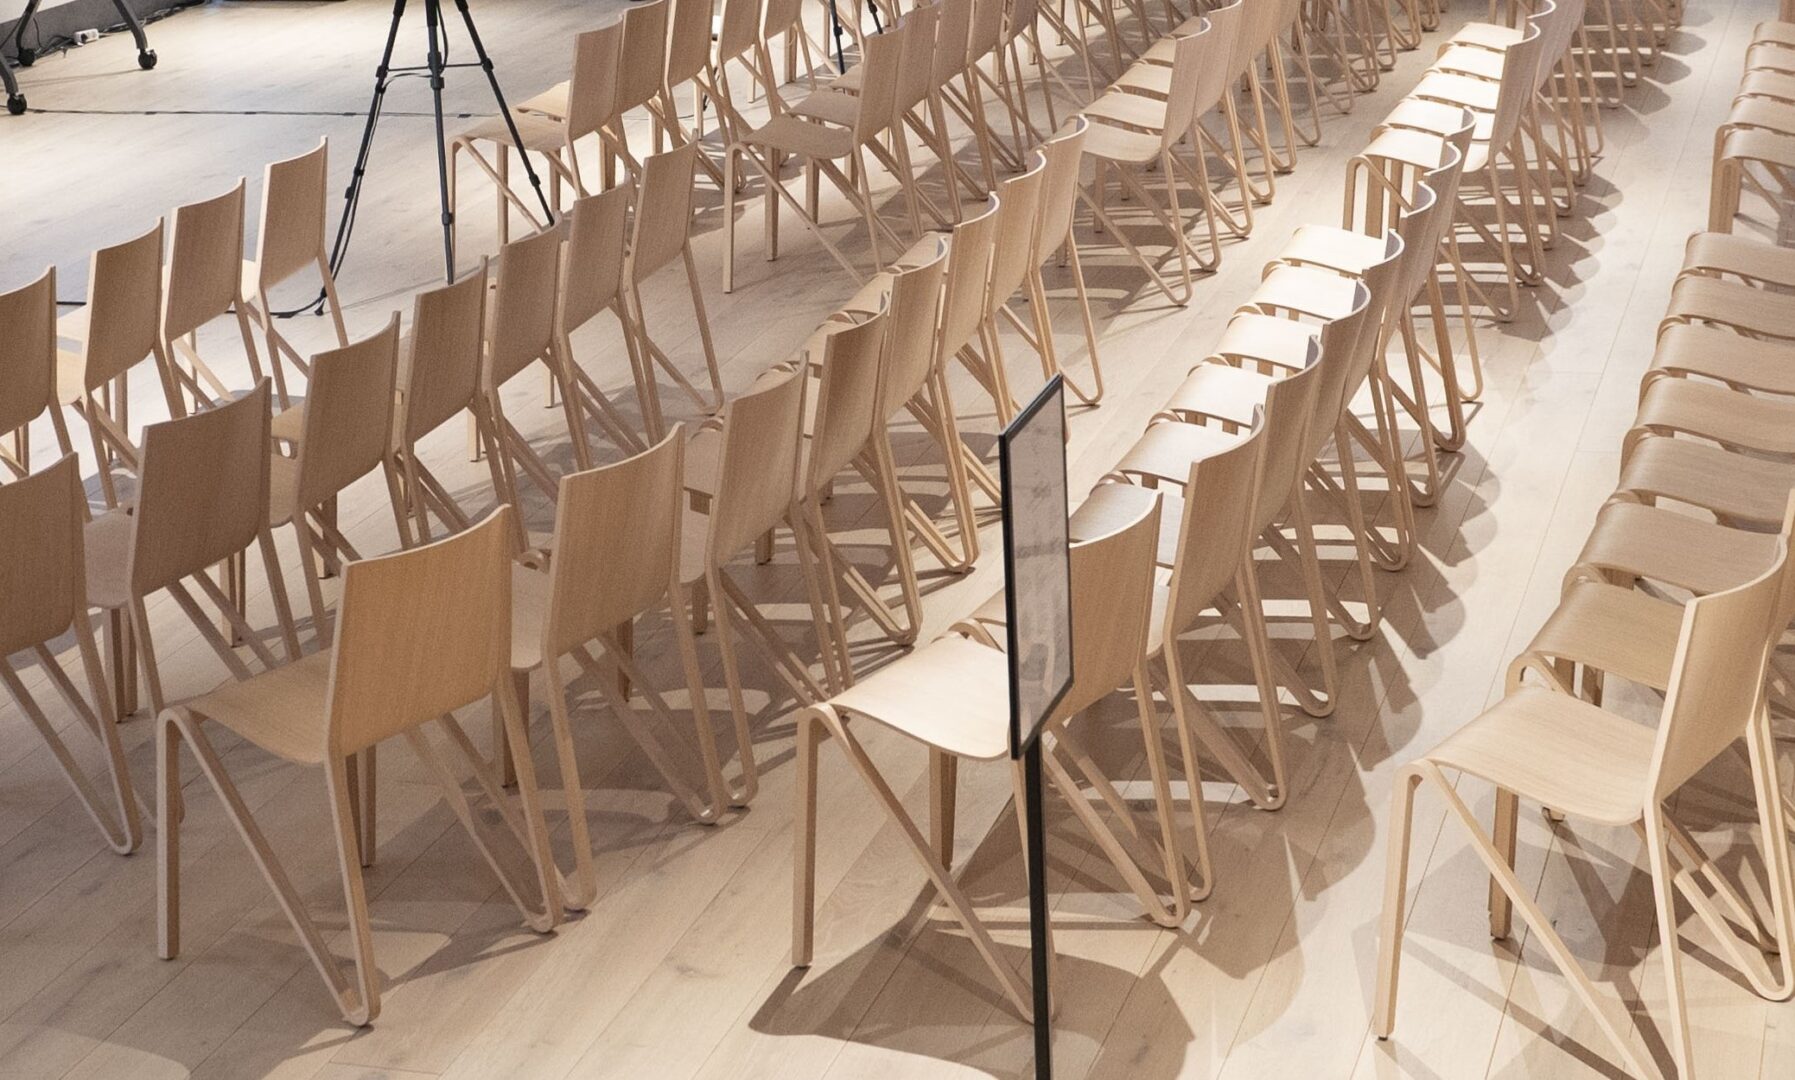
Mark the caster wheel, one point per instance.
(146, 59)
(27, 57)
(15, 104)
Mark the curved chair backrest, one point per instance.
(915, 77)
(663, 210)
(1381, 281)
(1520, 70)
(205, 263)
(911, 311)
(1259, 26)
(203, 492)
(42, 577)
(847, 405)
(448, 332)
(616, 543)
(882, 58)
(1192, 56)
(348, 414)
(27, 351)
(1557, 27)
(758, 475)
(969, 257)
(1225, 25)
(643, 66)
(985, 32)
(1420, 227)
(593, 260)
(1219, 526)
(1021, 15)
(777, 17)
(1112, 605)
(1717, 678)
(1018, 216)
(592, 89)
(737, 30)
(1444, 178)
(124, 307)
(291, 237)
(1059, 188)
(953, 30)
(523, 305)
(420, 633)
(688, 41)
(1290, 405)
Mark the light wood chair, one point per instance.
(820, 144)
(1743, 154)
(738, 43)
(343, 432)
(1018, 220)
(28, 368)
(42, 597)
(592, 282)
(688, 58)
(202, 500)
(1715, 354)
(1586, 762)
(290, 241)
(423, 633)
(637, 82)
(659, 234)
(118, 329)
(953, 697)
(204, 282)
(1063, 152)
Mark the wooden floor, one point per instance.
(681, 967)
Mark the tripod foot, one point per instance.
(146, 59)
(15, 104)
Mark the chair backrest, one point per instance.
(688, 41)
(522, 327)
(1219, 525)
(915, 75)
(1260, 25)
(985, 32)
(644, 63)
(1420, 227)
(1192, 56)
(448, 333)
(882, 61)
(758, 474)
(663, 210)
(205, 263)
(592, 89)
(616, 543)
(1020, 16)
(1059, 188)
(124, 307)
(1290, 405)
(847, 405)
(1717, 677)
(1112, 604)
(952, 31)
(593, 260)
(1520, 70)
(27, 351)
(420, 633)
(42, 577)
(1444, 178)
(203, 490)
(291, 236)
(1367, 345)
(1557, 27)
(1224, 28)
(912, 311)
(969, 257)
(738, 29)
(348, 415)
(1018, 216)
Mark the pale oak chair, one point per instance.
(28, 368)
(289, 242)
(203, 282)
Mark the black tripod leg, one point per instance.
(432, 17)
(498, 95)
(352, 195)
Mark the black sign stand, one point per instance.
(1037, 909)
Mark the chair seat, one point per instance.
(1761, 112)
(794, 135)
(1452, 89)
(1539, 744)
(1737, 487)
(1762, 424)
(1778, 85)
(281, 710)
(1774, 32)
(1733, 303)
(551, 102)
(1111, 506)
(952, 694)
(1335, 248)
(1419, 149)
(1222, 391)
(1131, 110)
(107, 543)
(1160, 52)
(1732, 253)
(1493, 36)
(1613, 629)
(1321, 294)
(1166, 450)
(1685, 552)
(530, 591)
(1715, 353)
(1145, 78)
(536, 130)
(1118, 144)
(829, 104)
(1271, 339)
(1440, 118)
(1470, 60)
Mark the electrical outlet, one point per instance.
(86, 37)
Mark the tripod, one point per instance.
(436, 63)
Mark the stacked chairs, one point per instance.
(1754, 149)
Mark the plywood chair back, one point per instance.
(758, 472)
(593, 88)
(916, 75)
(27, 353)
(42, 584)
(1558, 21)
(291, 237)
(1112, 603)
(592, 265)
(617, 537)
(1191, 57)
(205, 262)
(738, 29)
(663, 211)
(1520, 68)
(969, 257)
(420, 634)
(1222, 44)
(522, 326)
(1219, 526)
(1018, 216)
(1381, 281)
(348, 415)
(778, 16)
(986, 31)
(442, 375)
(847, 405)
(644, 60)
(1063, 152)
(1420, 228)
(1260, 24)
(203, 494)
(124, 302)
(883, 58)
(1290, 407)
(953, 28)
(912, 309)
(688, 41)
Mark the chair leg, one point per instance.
(810, 732)
(1503, 837)
(944, 773)
(1664, 897)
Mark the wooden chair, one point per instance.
(953, 697)
(289, 241)
(423, 633)
(550, 125)
(1063, 152)
(1018, 219)
(42, 597)
(202, 499)
(1585, 762)
(660, 233)
(204, 282)
(636, 81)
(28, 367)
(688, 57)
(118, 329)
(821, 144)
(592, 282)
(343, 432)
